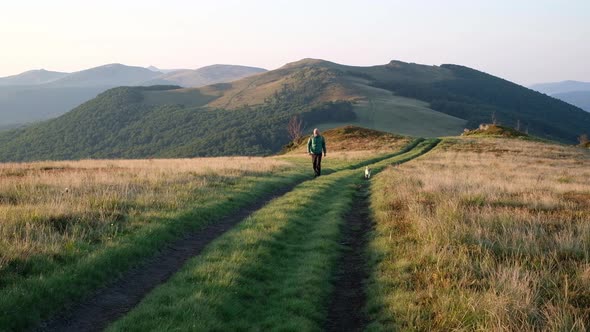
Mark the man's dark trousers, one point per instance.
(317, 163)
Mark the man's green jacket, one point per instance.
(316, 144)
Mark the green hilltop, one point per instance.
(249, 116)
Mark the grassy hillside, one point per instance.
(69, 227)
(352, 138)
(482, 234)
(478, 97)
(382, 110)
(495, 130)
(311, 82)
(438, 100)
(124, 123)
(471, 233)
(272, 272)
(60, 244)
(249, 116)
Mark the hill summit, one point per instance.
(494, 130)
(352, 138)
(32, 77)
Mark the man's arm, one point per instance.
(324, 145)
(309, 145)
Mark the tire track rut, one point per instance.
(97, 311)
(346, 311)
(113, 301)
(348, 300)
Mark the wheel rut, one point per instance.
(96, 312)
(345, 312)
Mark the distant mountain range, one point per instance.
(32, 77)
(573, 92)
(249, 116)
(577, 98)
(561, 87)
(203, 76)
(40, 94)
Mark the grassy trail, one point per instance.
(118, 298)
(27, 302)
(98, 309)
(273, 271)
(346, 309)
(348, 300)
(270, 272)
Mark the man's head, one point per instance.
(316, 132)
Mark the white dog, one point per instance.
(367, 172)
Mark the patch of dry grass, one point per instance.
(52, 212)
(355, 141)
(483, 234)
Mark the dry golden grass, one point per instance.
(255, 89)
(53, 209)
(351, 141)
(484, 234)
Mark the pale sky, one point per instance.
(525, 41)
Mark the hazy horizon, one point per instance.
(526, 42)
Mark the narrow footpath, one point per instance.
(112, 302)
(349, 298)
(346, 311)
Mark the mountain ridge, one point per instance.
(32, 77)
(249, 116)
(56, 93)
(217, 73)
(552, 88)
(576, 93)
(580, 99)
(112, 74)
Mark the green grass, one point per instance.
(483, 234)
(35, 296)
(271, 272)
(330, 165)
(249, 116)
(28, 299)
(385, 111)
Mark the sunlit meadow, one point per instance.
(490, 234)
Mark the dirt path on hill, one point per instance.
(113, 301)
(346, 310)
(99, 310)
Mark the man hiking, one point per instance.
(315, 146)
